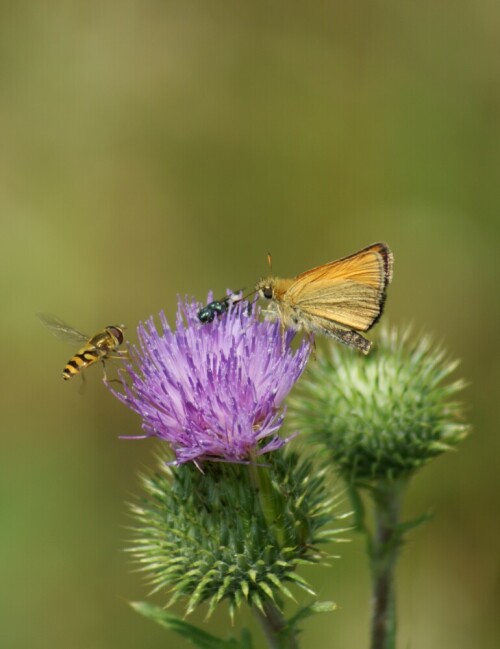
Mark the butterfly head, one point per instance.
(266, 288)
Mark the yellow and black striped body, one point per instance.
(97, 348)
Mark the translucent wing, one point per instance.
(63, 331)
(349, 291)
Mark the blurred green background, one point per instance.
(154, 148)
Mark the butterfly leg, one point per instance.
(312, 343)
(283, 336)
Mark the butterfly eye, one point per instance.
(267, 292)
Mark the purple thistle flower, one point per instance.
(213, 391)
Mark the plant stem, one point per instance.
(384, 553)
(278, 634)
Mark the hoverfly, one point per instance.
(338, 299)
(217, 307)
(100, 347)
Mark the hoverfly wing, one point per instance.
(63, 331)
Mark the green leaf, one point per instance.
(420, 520)
(307, 611)
(358, 508)
(199, 638)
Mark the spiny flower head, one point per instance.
(386, 415)
(213, 391)
(206, 537)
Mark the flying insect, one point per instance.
(99, 347)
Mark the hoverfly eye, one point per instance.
(267, 292)
(117, 333)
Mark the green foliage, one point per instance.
(311, 609)
(233, 532)
(383, 416)
(196, 636)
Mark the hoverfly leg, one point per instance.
(118, 354)
(105, 377)
(105, 380)
(122, 378)
(83, 384)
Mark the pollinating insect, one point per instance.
(100, 347)
(338, 299)
(218, 307)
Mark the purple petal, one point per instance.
(215, 390)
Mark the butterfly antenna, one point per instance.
(270, 262)
(253, 291)
(245, 297)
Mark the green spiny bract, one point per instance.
(209, 536)
(385, 415)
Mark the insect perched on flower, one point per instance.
(338, 299)
(218, 307)
(100, 347)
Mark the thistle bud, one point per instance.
(384, 416)
(208, 536)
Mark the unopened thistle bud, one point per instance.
(384, 416)
(206, 537)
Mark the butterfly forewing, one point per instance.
(371, 266)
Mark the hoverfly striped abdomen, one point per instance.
(80, 361)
